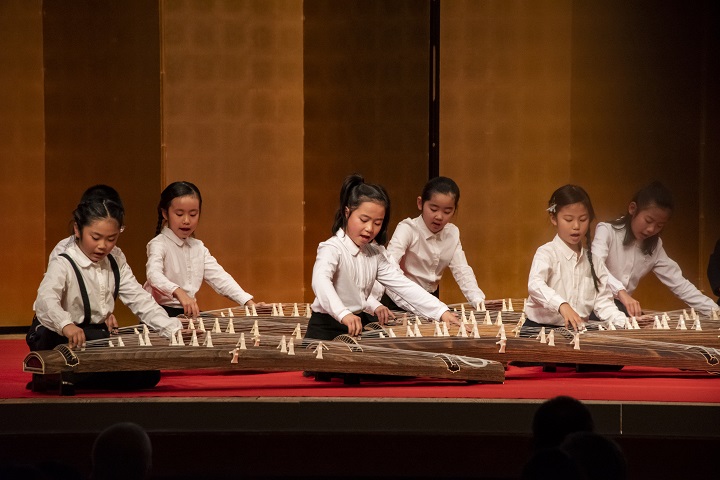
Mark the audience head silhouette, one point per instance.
(122, 451)
(551, 464)
(597, 457)
(557, 418)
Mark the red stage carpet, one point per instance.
(630, 384)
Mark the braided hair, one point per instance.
(171, 192)
(653, 194)
(355, 191)
(567, 195)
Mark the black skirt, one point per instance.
(173, 311)
(389, 303)
(323, 326)
(42, 338)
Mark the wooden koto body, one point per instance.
(706, 338)
(335, 356)
(594, 348)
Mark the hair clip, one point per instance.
(551, 208)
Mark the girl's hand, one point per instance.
(188, 303)
(111, 323)
(383, 314)
(353, 323)
(74, 334)
(450, 318)
(570, 316)
(632, 305)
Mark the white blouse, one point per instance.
(344, 274)
(559, 275)
(175, 263)
(59, 301)
(627, 264)
(423, 256)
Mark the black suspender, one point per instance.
(83, 289)
(116, 273)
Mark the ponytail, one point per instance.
(590, 259)
(158, 229)
(355, 191)
(349, 184)
(653, 194)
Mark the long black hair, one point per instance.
(355, 191)
(567, 195)
(100, 191)
(444, 185)
(103, 192)
(98, 208)
(653, 194)
(171, 192)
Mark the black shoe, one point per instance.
(590, 367)
(549, 368)
(526, 364)
(323, 376)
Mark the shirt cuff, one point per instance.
(372, 305)
(555, 302)
(168, 292)
(620, 321)
(474, 301)
(342, 314)
(243, 299)
(64, 324)
(439, 313)
(171, 329)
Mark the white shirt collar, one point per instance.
(81, 259)
(424, 230)
(347, 242)
(79, 256)
(171, 235)
(566, 251)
